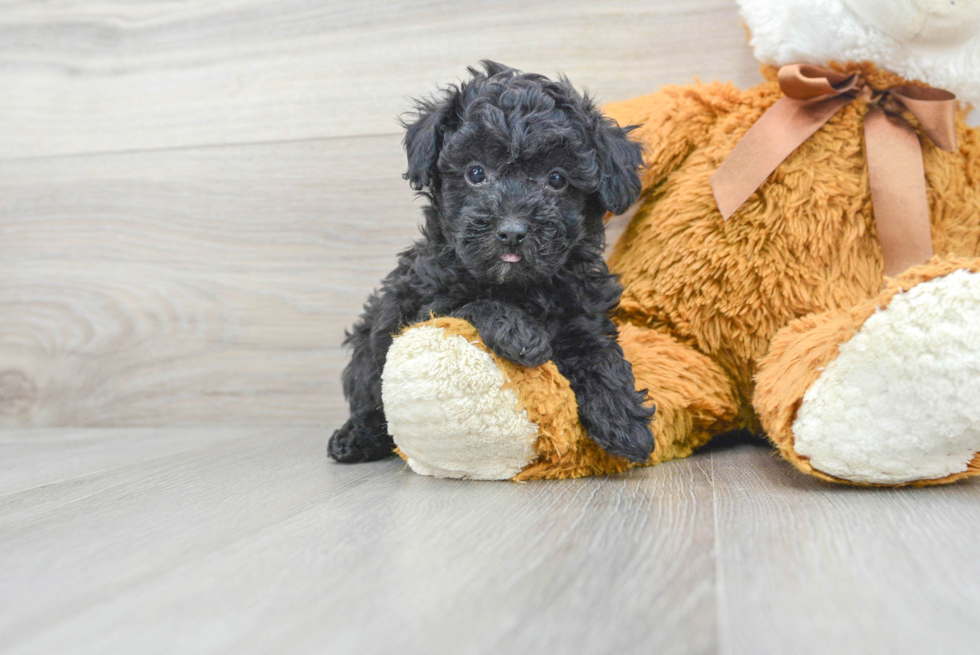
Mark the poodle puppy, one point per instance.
(518, 171)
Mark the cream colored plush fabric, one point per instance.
(452, 415)
(902, 400)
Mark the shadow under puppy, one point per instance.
(519, 171)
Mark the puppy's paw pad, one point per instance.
(355, 442)
(533, 355)
(635, 442)
(532, 350)
(625, 432)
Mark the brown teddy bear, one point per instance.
(795, 267)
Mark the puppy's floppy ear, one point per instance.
(619, 159)
(423, 137)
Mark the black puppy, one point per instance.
(519, 171)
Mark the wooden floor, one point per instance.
(249, 541)
(195, 199)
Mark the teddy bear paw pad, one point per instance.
(901, 402)
(450, 411)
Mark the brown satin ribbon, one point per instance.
(898, 189)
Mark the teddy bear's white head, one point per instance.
(935, 41)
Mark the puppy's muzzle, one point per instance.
(511, 232)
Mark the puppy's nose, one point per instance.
(512, 232)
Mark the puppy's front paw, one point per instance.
(624, 431)
(523, 344)
(357, 441)
(633, 441)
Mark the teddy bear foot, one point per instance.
(900, 402)
(450, 410)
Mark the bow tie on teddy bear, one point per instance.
(812, 95)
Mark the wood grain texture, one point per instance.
(192, 287)
(86, 540)
(209, 279)
(200, 272)
(820, 568)
(208, 541)
(260, 545)
(43, 458)
(110, 75)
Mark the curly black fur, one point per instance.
(550, 165)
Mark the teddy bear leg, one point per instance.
(456, 410)
(885, 393)
(694, 397)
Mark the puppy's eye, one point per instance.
(557, 181)
(476, 175)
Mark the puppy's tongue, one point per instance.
(513, 259)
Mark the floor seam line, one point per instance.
(120, 467)
(194, 146)
(721, 602)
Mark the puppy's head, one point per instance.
(520, 170)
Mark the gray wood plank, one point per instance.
(35, 458)
(809, 567)
(82, 76)
(209, 286)
(241, 207)
(70, 546)
(264, 547)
